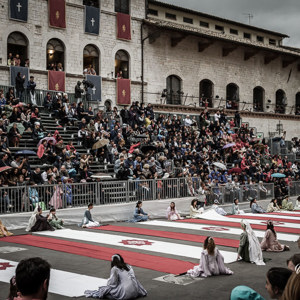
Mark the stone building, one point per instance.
(178, 59)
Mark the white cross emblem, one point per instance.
(93, 21)
(94, 90)
(19, 7)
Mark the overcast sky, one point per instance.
(277, 15)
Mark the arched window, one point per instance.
(55, 55)
(174, 92)
(122, 6)
(107, 105)
(232, 96)
(281, 102)
(258, 98)
(91, 58)
(17, 46)
(94, 3)
(122, 64)
(206, 92)
(297, 104)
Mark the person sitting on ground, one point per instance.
(235, 207)
(32, 278)
(270, 242)
(273, 206)
(297, 205)
(53, 220)
(286, 205)
(38, 222)
(276, 281)
(211, 261)
(194, 211)
(172, 213)
(122, 283)
(87, 220)
(293, 261)
(255, 208)
(292, 288)
(249, 248)
(219, 210)
(139, 214)
(3, 231)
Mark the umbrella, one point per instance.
(235, 170)
(25, 152)
(6, 168)
(278, 175)
(220, 165)
(101, 143)
(229, 145)
(48, 139)
(147, 148)
(20, 127)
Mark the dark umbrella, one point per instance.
(235, 170)
(147, 148)
(25, 152)
(6, 168)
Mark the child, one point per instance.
(53, 219)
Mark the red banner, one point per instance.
(123, 26)
(56, 81)
(57, 13)
(123, 94)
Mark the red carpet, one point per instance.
(146, 261)
(286, 214)
(266, 218)
(170, 235)
(237, 224)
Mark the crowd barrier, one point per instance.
(26, 198)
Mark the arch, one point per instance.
(174, 89)
(122, 6)
(281, 101)
(17, 46)
(108, 105)
(94, 3)
(297, 104)
(232, 96)
(122, 64)
(258, 98)
(206, 92)
(91, 55)
(55, 54)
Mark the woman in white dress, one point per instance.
(194, 211)
(172, 213)
(273, 206)
(122, 283)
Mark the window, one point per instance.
(272, 42)
(260, 39)
(281, 102)
(94, 3)
(174, 92)
(152, 12)
(122, 6)
(206, 92)
(220, 28)
(122, 64)
(170, 16)
(232, 96)
(187, 20)
(234, 31)
(247, 35)
(204, 24)
(55, 55)
(258, 98)
(17, 44)
(297, 109)
(91, 58)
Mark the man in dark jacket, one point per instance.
(31, 89)
(20, 86)
(78, 92)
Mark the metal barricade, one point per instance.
(294, 188)
(13, 199)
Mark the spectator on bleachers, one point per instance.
(14, 136)
(36, 176)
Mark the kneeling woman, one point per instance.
(122, 283)
(139, 214)
(211, 261)
(172, 213)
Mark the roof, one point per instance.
(220, 36)
(194, 12)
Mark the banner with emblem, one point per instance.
(123, 92)
(95, 91)
(14, 72)
(56, 81)
(57, 13)
(92, 19)
(18, 10)
(123, 26)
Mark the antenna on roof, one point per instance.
(249, 16)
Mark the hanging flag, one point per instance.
(95, 91)
(19, 10)
(57, 13)
(123, 26)
(92, 19)
(14, 72)
(56, 81)
(123, 93)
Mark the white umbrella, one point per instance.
(220, 165)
